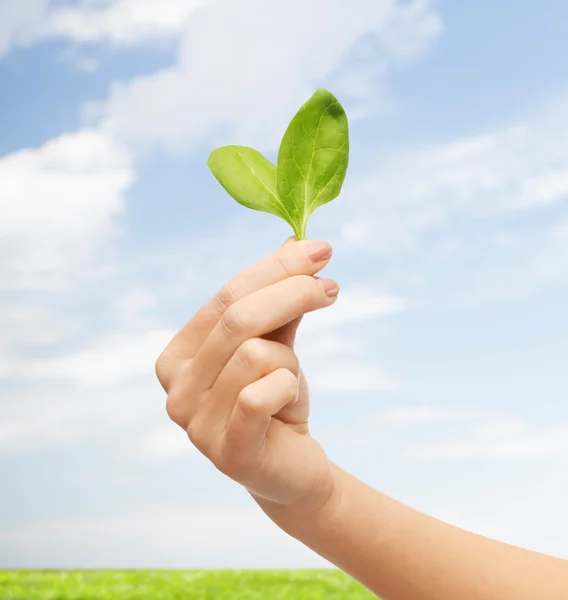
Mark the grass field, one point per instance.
(179, 585)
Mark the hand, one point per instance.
(235, 385)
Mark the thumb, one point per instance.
(290, 240)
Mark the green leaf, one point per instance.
(312, 163)
(313, 158)
(248, 177)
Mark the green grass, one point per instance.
(179, 585)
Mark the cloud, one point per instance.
(191, 538)
(236, 59)
(50, 414)
(58, 204)
(104, 387)
(115, 358)
(357, 302)
(525, 265)
(164, 443)
(500, 428)
(15, 18)
(404, 415)
(323, 344)
(522, 166)
(345, 376)
(532, 521)
(118, 22)
(121, 22)
(501, 440)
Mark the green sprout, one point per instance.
(312, 163)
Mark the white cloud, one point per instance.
(511, 441)
(119, 22)
(48, 414)
(345, 376)
(114, 359)
(403, 415)
(16, 16)
(551, 259)
(356, 303)
(106, 386)
(164, 443)
(192, 538)
(500, 427)
(33, 324)
(514, 517)
(543, 260)
(323, 346)
(518, 167)
(326, 344)
(135, 306)
(116, 21)
(236, 59)
(58, 206)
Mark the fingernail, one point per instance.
(330, 287)
(318, 251)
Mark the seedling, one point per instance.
(312, 163)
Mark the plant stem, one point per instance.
(300, 231)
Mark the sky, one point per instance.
(439, 375)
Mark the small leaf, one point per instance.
(313, 158)
(312, 163)
(249, 177)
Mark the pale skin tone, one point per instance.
(236, 387)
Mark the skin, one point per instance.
(235, 385)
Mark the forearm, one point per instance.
(402, 554)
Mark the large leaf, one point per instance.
(313, 158)
(249, 177)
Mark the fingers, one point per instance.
(254, 359)
(255, 315)
(245, 436)
(306, 257)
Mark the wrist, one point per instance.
(314, 511)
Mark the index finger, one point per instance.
(305, 257)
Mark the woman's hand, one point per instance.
(235, 384)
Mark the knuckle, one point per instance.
(168, 369)
(231, 461)
(176, 409)
(250, 402)
(253, 353)
(316, 289)
(306, 289)
(200, 437)
(163, 361)
(308, 285)
(290, 384)
(227, 296)
(233, 323)
(179, 401)
(227, 459)
(294, 364)
(281, 262)
(160, 368)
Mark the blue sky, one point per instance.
(439, 376)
